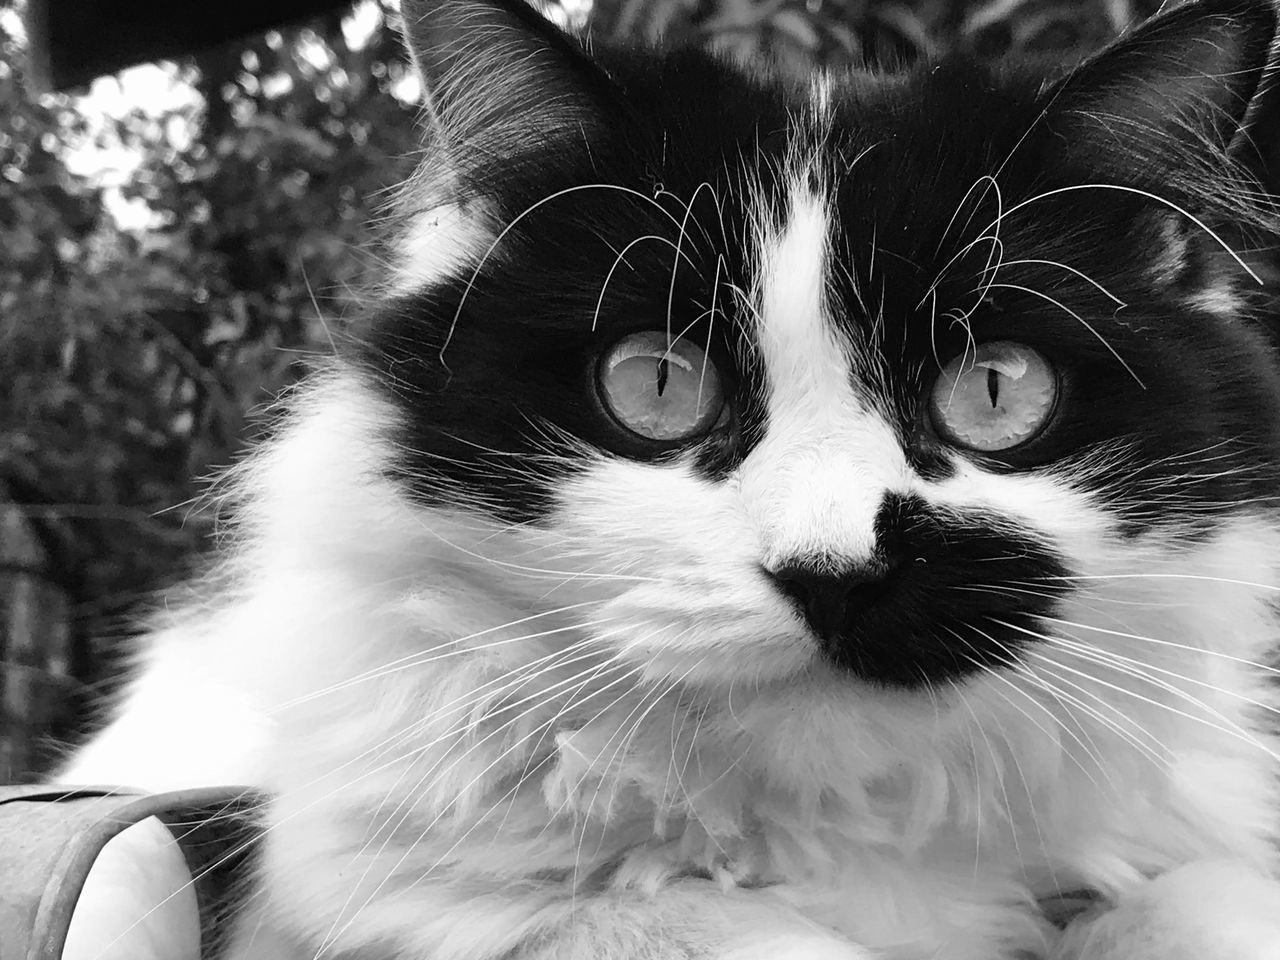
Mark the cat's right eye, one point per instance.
(660, 389)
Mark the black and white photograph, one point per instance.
(640, 480)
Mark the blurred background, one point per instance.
(184, 200)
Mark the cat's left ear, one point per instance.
(1178, 89)
(500, 80)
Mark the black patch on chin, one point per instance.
(963, 588)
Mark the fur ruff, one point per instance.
(446, 789)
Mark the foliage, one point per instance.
(801, 33)
(130, 359)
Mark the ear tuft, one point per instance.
(1178, 86)
(500, 80)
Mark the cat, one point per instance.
(769, 519)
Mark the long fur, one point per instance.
(521, 685)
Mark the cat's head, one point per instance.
(899, 378)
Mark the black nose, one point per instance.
(829, 598)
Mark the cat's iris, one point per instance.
(661, 389)
(994, 397)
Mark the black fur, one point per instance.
(949, 594)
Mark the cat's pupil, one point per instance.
(664, 371)
(993, 386)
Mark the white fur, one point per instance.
(1180, 916)
(757, 766)
(813, 486)
(454, 712)
(437, 243)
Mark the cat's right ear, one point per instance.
(500, 80)
(1174, 94)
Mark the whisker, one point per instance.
(1110, 658)
(1150, 196)
(1232, 730)
(577, 188)
(623, 747)
(333, 937)
(1070, 269)
(619, 258)
(1083, 322)
(675, 263)
(633, 672)
(1007, 682)
(528, 570)
(1155, 751)
(998, 769)
(1159, 576)
(1243, 661)
(430, 655)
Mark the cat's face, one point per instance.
(897, 379)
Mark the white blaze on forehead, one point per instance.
(815, 482)
(804, 362)
(820, 93)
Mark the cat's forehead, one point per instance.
(896, 146)
(911, 169)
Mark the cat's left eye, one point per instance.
(994, 397)
(661, 389)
